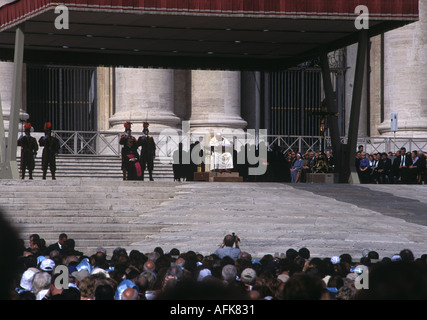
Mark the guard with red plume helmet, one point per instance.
(148, 151)
(130, 158)
(29, 148)
(47, 126)
(51, 147)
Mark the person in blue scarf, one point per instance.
(296, 169)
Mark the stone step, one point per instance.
(36, 195)
(98, 167)
(95, 212)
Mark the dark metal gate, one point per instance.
(65, 96)
(296, 99)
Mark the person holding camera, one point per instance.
(229, 247)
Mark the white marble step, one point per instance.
(94, 212)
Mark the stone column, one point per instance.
(144, 95)
(376, 85)
(363, 121)
(216, 101)
(405, 72)
(6, 82)
(105, 96)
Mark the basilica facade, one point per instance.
(104, 98)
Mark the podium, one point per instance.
(327, 178)
(218, 176)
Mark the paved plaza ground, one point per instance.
(269, 218)
(329, 219)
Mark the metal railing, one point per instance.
(102, 143)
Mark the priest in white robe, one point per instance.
(221, 153)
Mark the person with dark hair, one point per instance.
(29, 148)
(51, 148)
(394, 171)
(148, 151)
(383, 169)
(291, 254)
(304, 253)
(130, 158)
(53, 290)
(364, 168)
(303, 286)
(9, 249)
(404, 163)
(33, 237)
(296, 168)
(227, 249)
(398, 280)
(59, 245)
(104, 291)
(69, 248)
(413, 168)
(178, 166)
(421, 167)
(406, 255)
(68, 294)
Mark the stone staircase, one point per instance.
(94, 212)
(98, 167)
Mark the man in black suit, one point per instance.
(148, 151)
(394, 171)
(57, 245)
(404, 163)
(51, 148)
(29, 148)
(384, 168)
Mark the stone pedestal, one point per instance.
(144, 95)
(218, 176)
(327, 178)
(405, 74)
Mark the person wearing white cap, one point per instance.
(396, 257)
(335, 260)
(248, 277)
(47, 265)
(203, 274)
(26, 283)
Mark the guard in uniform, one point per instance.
(50, 150)
(29, 148)
(148, 151)
(130, 157)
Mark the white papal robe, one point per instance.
(221, 158)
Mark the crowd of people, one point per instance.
(400, 167)
(392, 167)
(229, 273)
